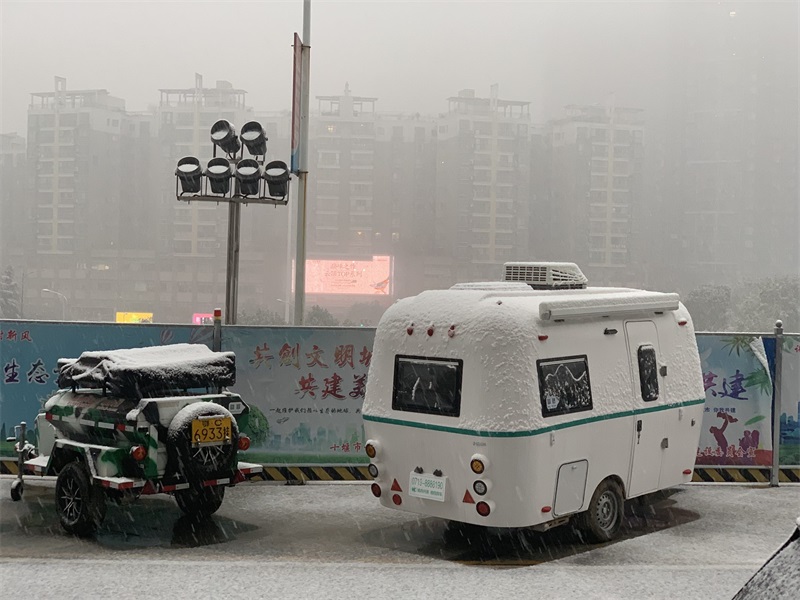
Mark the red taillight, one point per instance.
(682, 322)
(430, 331)
(543, 337)
(48, 416)
(483, 509)
(376, 490)
(547, 509)
(687, 471)
(410, 329)
(397, 500)
(244, 442)
(138, 453)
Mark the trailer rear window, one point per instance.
(427, 385)
(564, 385)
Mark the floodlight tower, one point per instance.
(237, 180)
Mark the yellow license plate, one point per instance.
(211, 431)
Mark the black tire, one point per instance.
(200, 502)
(198, 464)
(81, 506)
(601, 522)
(17, 488)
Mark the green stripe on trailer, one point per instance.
(532, 432)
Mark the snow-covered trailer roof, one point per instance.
(544, 305)
(494, 328)
(140, 372)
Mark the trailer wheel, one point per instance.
(200, 502)
(603, 519)
(199, 464)
(17, 488)
(81, 507)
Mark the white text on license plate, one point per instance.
(427, 486)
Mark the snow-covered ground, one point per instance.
(335, 541)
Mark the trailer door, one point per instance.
(648, 424)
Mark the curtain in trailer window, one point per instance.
(648, 372)
(427, 385)
(564, 385)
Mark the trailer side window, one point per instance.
(648, 373)
(427, 385)
(564, 385)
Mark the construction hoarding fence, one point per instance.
(306, 386)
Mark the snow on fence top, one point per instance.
(140, 372)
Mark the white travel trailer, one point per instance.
(533, 400)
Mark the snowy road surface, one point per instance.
(335, 541)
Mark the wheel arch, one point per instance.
(618, 480)
(589, 491)
(62, 456)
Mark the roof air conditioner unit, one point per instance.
(546, 275)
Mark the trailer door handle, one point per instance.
(638, 430)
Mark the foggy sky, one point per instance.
(411, 55)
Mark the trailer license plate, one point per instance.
(211, 431)
(427, 486)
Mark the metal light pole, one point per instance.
(232, 271)
(775, 472)
(63, 299)
(300, 256)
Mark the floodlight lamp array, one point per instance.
(233, 176)
(222, 179)
(253, 137)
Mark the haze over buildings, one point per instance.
(686, 175)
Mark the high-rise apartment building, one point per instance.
(446, 196)
(343, 217)
(405, 175)
(371, 188)
(592, 205)
(14, 210)
(482, 186)
(83, 155)
(105, 230)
